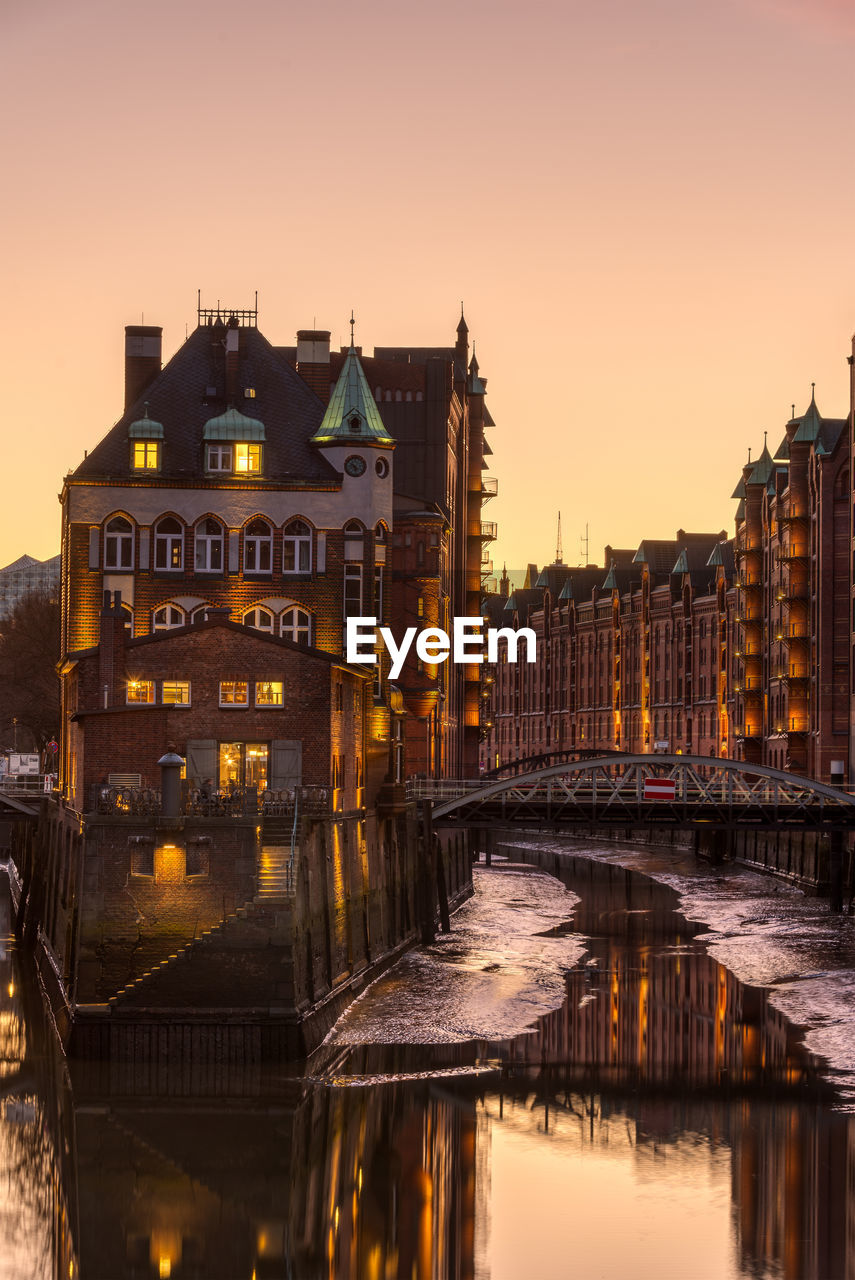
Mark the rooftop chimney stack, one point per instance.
(232, 359)
(313, 360)
(143, 357)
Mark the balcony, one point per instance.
(798, 724)
(795, 671)
(488, 530)
(749, 580)
(241, 803)
(744, 543)
(787, 555)
(489, 488)
(794, 512)
(792, 631)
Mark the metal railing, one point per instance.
(197, 802)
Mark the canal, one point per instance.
(636, 1067)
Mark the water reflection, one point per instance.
(664, 1119)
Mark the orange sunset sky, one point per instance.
(647, 208)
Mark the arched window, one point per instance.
(259, 619)
(296, 625)
(381, 533)
(200, 613)
(128, 615)
(297, 548)
(209, 546)
(119, 544)
(258, 548)
(353, 540)
(168, 544)
(167, 617)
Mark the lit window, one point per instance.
(234, 693)
(247, 457)
(296, 625)
(119, 544)
(168, 544)
(209, 546)
(167, 617)
(249, 393)
(258, 547)
(176, 693)
(140, 691)
(259, 619)
(297, 548)
(146, 455)
(219, 457)
(269, 693)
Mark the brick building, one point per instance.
(234, 705)
(793, 574)
(293, 487)
(631, 655)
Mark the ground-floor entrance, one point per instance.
(243, 764)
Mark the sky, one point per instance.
(646, 209)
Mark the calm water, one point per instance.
(572, 1083)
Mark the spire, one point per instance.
(462, 327)
(352, 323)
(559, 557)
(811, 422)
(352, 416)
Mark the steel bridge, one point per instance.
(642, 790)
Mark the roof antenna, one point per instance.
(558, 548)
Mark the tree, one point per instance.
(29, 684)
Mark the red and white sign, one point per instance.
(660, 788)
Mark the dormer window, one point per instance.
(247, 457)
(146, 455)
(355, 424)
(220, 457)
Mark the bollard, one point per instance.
(170, 784)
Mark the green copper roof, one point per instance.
(782, 453)
(740, 510)
(682, 565)
(610, 583)
(810, 424)
(716, 556)
(145, 428)
(739, 491)
(233, 425)
(567, 590)
(352, 413)
(762, 468)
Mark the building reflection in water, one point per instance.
(215, 1172)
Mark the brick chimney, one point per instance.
(111, 649)
(313, 360)
(143, 358)
(232, 360)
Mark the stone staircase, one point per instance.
(275, 873)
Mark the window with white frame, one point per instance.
(247, 458)
(353, 590)
(175, 693)
(353, 541)
(378, 591)
(209, 546)
(269, 693)
(220, 457)
(297, 548)
(167, 617)
(296, 625)
(118, 544)
(258, 547)
(234, 693)
(260, 619)
(140, 691)
(168, 544)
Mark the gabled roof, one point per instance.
(191, 389)
(352, 414)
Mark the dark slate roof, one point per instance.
(581, 582)
(492, 608)
(722, 554)
(829, 435)
(289, 409)
(782, 454)
(553, 576)
(523, 601)
(660, 555)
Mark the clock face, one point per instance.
(354, 465)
